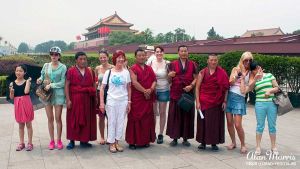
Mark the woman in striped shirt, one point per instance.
(265, 86)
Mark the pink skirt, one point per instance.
(23, 109)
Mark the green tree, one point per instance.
(23, 48)
(71, 46)
(148, 34)
(45, 46)
(212, 35)
(119, 38)
(160, 38)
(169, 37)
(297, 32)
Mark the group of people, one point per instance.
(141, 92)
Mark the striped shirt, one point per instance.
(261, 87)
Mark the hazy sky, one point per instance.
(36, 21)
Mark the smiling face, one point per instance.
(19, 72)
(140, 57)
(246, 62)
(159, 54)
(212, 61)
(120, 61)
(103, 58)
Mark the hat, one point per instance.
(149, 48)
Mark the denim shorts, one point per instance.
(163, 96)
(236, 104)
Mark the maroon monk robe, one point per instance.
(140, 126)
(180, 123)
(211, 129)
(81, 117)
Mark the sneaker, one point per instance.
(132, 146)
(214, 147)
(186, 143)
(71, 145)
(174, 143)
(85, 145)
(160, 139)
(202, 146)
(51, 145)
(60, 145)
(29, 147)
(20, 147)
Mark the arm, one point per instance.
(129, 97)
(198, 85)
(67, 93)
(11, 91)
(135, 83)
(42, 77)
(232, 78)
(275, 88)
(27, 86)
(189, 87)
(225, 101)
(101, 95)
(61, 83)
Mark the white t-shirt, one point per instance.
(117, 87)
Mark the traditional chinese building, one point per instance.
(98, 33)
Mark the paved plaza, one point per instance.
(156, 156)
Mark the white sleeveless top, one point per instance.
(161, 76)
(236, 87)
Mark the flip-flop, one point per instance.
(102, 142)
(244, 150)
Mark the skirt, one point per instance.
(236, 104)
(23, 109)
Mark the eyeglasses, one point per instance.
(54, 54)
(247, 60)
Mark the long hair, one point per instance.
(245, 55)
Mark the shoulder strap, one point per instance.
(107, 83)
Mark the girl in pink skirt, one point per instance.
(19, 91)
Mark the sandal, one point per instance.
(119, 148)
(102, 142)
(258, 151)
(112, 148)
(244, 150)
(29, 147)
(20, 147)
(231, 146)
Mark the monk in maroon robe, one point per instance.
(183, 73)
(140, 129)
(211, 93)
(81, 103)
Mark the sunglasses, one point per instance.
(54, 54)
(247, 60)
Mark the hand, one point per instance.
(224, 106)
(28, 81)
(128, 108)
(39, 81)
(102, 108)
(47, 87)
(11, 90)
(147, 97)
(268, 93)
(172, 74)
(69, 104)
(188, 88)
(198, 106)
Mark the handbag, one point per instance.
(186, 102)
(43, 94)
(106, 87)
(283, 102)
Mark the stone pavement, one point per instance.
(156, 156)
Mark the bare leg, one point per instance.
(58, 112)
(258, 141)
(101, 129)
(49, 112)
(155, 111)
(21, 132)
(162, 116)
(29, 131)
(273, 141)
(239, 128)
(231, 130)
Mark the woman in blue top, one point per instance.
(56, 72)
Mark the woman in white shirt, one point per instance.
(118, 101)
(159, 66)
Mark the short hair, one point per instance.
(117, 54)
(138, 50)
(159, 47)
(79, 54)
(213, 55)
(104, 52)
(181, 46)
(22, 66)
